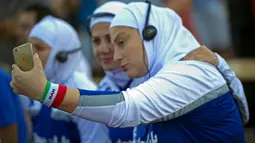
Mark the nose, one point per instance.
(104, 47)
(117, 56)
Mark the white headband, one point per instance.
(95, 21)
(112, 7)
(126, 19)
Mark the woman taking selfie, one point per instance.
(179, 101)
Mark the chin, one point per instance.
(108, 67)
(133, 74)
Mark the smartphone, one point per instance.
(23, 56)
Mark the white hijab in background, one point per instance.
(60, 36)
(172, 43)
(75, 72)
(116, 79)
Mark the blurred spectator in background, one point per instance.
(207, 20)
(17, 25)
(66, 10)
(28, 18)
(8, 8)
(212, 25)
(6, 42)
(184, 9)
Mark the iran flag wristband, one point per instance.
(53, 94)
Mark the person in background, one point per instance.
(14, 25)
(13, 127)
(115, 78)
(207, 21)
(28, 18)
(184, 9)
(66, 10)
(8, 8)
(211, 22)
(50, 37)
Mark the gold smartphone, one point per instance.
(23, 56)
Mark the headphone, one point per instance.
(149, 32)
(62, 56)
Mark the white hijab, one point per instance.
(171, 43)
(60, 36)
(116, 79)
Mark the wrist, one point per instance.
(41, 89)
(53, 94)
(218, 65)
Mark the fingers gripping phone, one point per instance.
(23, 56)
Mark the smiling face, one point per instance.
(129, 51)
(102, 47)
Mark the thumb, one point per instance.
(37, 61)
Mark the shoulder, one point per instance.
(107, 84)
(192, 71)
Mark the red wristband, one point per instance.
(60, 96)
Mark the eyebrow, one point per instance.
(96, 36)
(118, 35)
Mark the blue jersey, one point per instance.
(10, 108)
(47, 127)
(117, 135)
(196, 127)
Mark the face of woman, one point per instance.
(41, 48)
(102, 47)
(129, 51)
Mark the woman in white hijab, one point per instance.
(180, 101)
(115, 78)
(50, 37)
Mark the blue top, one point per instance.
(118, 135)
(201, 125)
(46, 128)
(52, 125)
(10, 108)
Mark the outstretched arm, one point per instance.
(164, 97)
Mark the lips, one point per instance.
(124, 67)
(107, 60)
